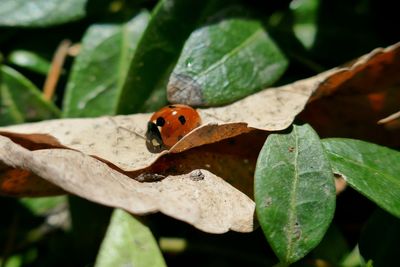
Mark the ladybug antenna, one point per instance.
(126, 129)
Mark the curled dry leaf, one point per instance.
(227, 144)
(119, 140)
(199, 198)
(19, 182)
(352, 101)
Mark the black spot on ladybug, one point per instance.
(180, 137)
(182, 119)
(160, 121)
(171, 106)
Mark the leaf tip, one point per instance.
(184, 89)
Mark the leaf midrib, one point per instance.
(293, 196)
(384, 174)
(233, 52)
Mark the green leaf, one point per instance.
(21, 101)
(294, 192)
(30, 61)
(170, 25)
(371, 169)
(157, 99)
(353, 259)
(40, 13)
(99, 72)
(305, 18)
(380, 239)
(128, 243)
(224, 62)
(13, 261)
(42, 205)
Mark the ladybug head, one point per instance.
(154, 141)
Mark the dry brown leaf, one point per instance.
(119, 140)
(225, 146)
(199, 197)
(22, 183)
(352, 101)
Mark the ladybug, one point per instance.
(168, 125)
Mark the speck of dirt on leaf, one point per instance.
(267, 202)
(196, 175)
(326, 190)
(296, 230)
(291, 149)
(149, 177)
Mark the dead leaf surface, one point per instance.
(351, 102)
(119, 140)
(199, 198)
(186, 181)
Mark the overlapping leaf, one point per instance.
(294, 192)
(101, 67)
(40, 13)
(20, 100)
(29, 60)
(199, 198)
(371, 169)
(158, 49)
(128, 243)
(351, 102)
(223, 62)
(118, 141)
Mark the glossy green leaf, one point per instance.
(157, 99)
(42, 205)
(380, 239)
(29, 60)
(40, 13)
(224, 62)
(353, 259)
(128, 243)
(371, 169)
(100, 69)
(21, 101)
(170, 25)
(305, 19)
(294, 192)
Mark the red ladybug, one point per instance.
(168, 125)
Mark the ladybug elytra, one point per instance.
(168, 125)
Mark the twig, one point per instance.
(55, 69)
(390, 118)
